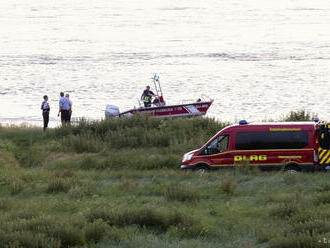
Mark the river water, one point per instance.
(257, 59)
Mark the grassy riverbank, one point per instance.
(117, 183)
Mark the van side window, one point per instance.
(271, 140)
(219, 144)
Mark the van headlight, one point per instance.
(187, 156)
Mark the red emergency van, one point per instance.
(294, 146)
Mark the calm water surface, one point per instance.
(258, 59)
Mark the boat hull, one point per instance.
(170, 111)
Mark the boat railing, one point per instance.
(203, 98)
(140, 103)
(206, 98)
(153, 103)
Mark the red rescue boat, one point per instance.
(187, 108)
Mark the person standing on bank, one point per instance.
(64, 108)
(45, 111)
(70, 102)
(146, 97)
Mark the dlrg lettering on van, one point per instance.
(296, 146)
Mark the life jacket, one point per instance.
(146, 99)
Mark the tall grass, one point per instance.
(117, 183)
(155, 219)
(181, 192)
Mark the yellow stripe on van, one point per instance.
(290, 157)
(328, 161)
(325, 157)
(239, 164)
(284, 129)
(250, 151)
(322, 153)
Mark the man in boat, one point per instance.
(146, 97)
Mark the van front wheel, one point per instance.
(292, 169)
(202, 169)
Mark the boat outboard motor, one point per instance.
(111, 111)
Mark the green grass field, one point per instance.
(117, 183)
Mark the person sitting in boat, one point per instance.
(147, 96)
(159, 101)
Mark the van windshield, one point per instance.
(219, 144)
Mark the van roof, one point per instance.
(300, 123)
(262, 125)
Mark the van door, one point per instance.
(217, 151)
(324, 136)
(324, 141)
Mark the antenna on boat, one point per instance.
(158, 89)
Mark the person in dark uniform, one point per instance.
(45, 111)
(146, 97)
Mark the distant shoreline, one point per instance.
(53, 122)
(29, 123)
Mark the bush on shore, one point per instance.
(300, 115)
